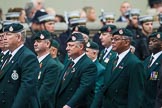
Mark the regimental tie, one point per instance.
(150, 61)
(68, 70)
(6, 61)
(115, 63)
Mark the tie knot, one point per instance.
(71, 63)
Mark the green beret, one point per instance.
(41, 35)
(123, 32)
(14, 28)
(76, 37)
(55, 44)
(108, 28)
(92, 45)
(157, 35)
(81, 29)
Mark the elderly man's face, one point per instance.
(118, 43)
(74, 49)
(11, 40)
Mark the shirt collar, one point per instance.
(42, 57)
(16, 50)
(78, 58)
(5, 52)
(122, 55)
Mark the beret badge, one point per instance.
(11, 29)
(41, 36)
(73, 38)
(121, 32)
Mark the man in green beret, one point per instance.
(92, 50)
(19, 73)
(77, 80)
(4, 51)
(83, 30)
(158, 102)
(54, 51)
(152, 67)
(124, 78)
(49, 69)
(105, 37)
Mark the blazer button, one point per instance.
(3, 101)
(116, 91)
(2, 92)
(8, 81)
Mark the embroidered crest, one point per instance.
(41, 36)
(11, 29)
(121, 32)
(14, 75)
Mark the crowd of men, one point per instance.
(117, 68)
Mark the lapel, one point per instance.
(154, 66)
(42, 65)
(73, 71)
(11, 63)
(101, 56)
(117, 71)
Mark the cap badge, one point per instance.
(11, 29)
(158, 35)
(120, 31)
(41, 36)
(76, 28)
(109, 29)
(88, 44)
(73, 38)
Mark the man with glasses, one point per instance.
(124, 80)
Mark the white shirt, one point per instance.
(5, 52)
(42, 57)
(155, 57)
(15, 51)
(108, 50)
(77, 59)
(121, 56)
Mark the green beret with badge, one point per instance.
(42, 35)
(55, 44)
(14, 28)
(157, 35)
(82, 29)
(108, 28)
(92, 45)
(76, 37)
(123, 32)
